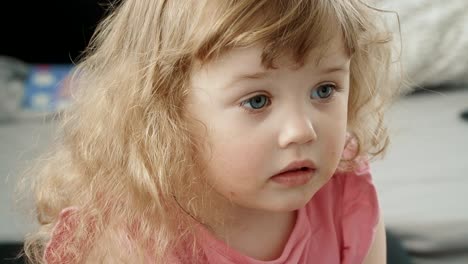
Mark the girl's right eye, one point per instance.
(257, 102)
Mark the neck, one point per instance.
(259, 234)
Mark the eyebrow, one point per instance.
(247, 76)
(333, 69)
(262, 74)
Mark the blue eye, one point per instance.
(257, 102)
(323, 92)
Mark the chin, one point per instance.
(288, 208)
(292, 203)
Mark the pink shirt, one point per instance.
(336, 226)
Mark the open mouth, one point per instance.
(302, 169)
(294, 177)
(298, 166)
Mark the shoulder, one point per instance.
(346, 212)
(348, 188)
(359, 212)
(63, 231)
(357, 183)
(79, 237)
(75, 239)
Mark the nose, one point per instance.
(297, 129)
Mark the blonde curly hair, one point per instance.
(125, 151)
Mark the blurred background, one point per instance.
(40, 41)
(422, 182)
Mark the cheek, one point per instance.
(333, 134)
(237, 163)
(240, 158)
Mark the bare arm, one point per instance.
(378, 251)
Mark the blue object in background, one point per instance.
(46, 89)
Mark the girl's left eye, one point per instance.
(324, 91)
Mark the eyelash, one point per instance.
(268, 98)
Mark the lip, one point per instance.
(297, 165)
(295, 174)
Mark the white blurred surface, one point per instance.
(423, 180)
(20, 143)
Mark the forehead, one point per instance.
(237, 61)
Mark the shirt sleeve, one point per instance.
(57, 249)
(360, 214)
(65, 246)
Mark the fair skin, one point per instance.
(378, 251)
(258, 121)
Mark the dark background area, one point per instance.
(45, 32)
(48, 31)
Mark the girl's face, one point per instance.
(261, 120)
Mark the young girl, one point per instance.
(221, 132)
